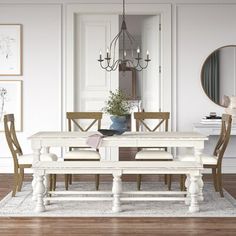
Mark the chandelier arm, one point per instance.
(115, 65)
(142, 67)
(130, 36)
(108, 68)
(116, 38)
(103, 67)
(114, 50)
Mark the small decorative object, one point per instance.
(212, 115)
(10, 101)
(109, 132)
(119, 107)
(231, 109)
(10, 49)
(226, 101)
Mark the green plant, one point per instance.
(117, 104)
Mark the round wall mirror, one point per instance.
(218, 75)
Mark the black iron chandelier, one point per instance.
(109, 63)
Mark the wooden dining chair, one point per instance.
(160, 120)
(77, 122)
(214, 161)
(20, 161)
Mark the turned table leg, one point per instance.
(116, 190)
(198, 155)
(36, 159)
(194, 193)
(40, 191)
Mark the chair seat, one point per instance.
(82, 155)
(27, 159)
(206, 159)
(154, 155)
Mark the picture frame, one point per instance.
(10, 49)
(11, 102)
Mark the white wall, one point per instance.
(198, 29)
(41, 71)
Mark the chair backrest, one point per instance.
(161, 118)
(77, 117)
(12, 141)
(224, 137)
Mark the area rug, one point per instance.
(212, 206)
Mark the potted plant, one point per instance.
(119, 108)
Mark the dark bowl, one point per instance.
(110, 132)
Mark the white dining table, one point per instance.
(45, 140)
(42, 141)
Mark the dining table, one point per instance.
(42, 141)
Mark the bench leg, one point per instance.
(47, 188)
(194, 193)
(40, 191)
(187, 184)
(34, 182)
(200, 185)
(116, 190)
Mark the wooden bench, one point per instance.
(191, 169)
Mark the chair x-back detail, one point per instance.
(215, 161)
(91, 120)
(162, 119)
(75, 117)
(160, 123)
(20, 161)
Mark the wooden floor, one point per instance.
(116, 226)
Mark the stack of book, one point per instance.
(214, 120)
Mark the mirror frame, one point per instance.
(232, 45)
(133, 81)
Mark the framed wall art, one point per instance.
(11, 102)
(10, 49)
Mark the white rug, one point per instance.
(213, 205)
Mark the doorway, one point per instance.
(86, 86)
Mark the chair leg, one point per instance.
(169, 181)
(139, 179)
(21, 178)
(66, 182)
(70, 179)
(165, 179)
(54, 177)
(219, 181)
(97, 181)
(15, 185)
(215, 179)
(182, 182)
(50, 182)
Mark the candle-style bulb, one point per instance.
(138, 50)
(107, 52)
(124, 53)
(147, 55)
